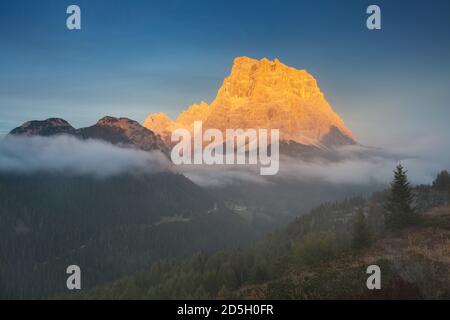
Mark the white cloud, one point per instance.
(65, 154)
(424, 158)
(358, 166)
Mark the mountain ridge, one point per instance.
(117, 131)
(269, 95)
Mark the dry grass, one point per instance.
(417, 261)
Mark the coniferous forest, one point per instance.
(110, 227)
(149, 237)
(321, 255)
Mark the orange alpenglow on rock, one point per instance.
(265, 94)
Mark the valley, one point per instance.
(314, 257)
(110, 227)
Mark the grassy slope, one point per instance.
(415, 263)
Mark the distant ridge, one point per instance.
(118, 131)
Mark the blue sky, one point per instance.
(135, 57)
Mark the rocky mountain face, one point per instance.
(123, 131)
(269, 95)
(118, 131)
(258, 94)
(45, 128)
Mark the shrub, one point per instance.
(314, 248)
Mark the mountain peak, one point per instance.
(119, 131)
(106, 120)
(124, 131)
(161, 124)
(271, 95)
(266, 79)
(123, 123)
(48, 127)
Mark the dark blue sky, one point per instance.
(135, 57)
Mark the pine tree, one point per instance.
(442, 181)
(361, 233)
(399, 211)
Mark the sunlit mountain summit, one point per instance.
(265, 94)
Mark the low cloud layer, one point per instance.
(222, 175)
(423, 158)
(65, 154)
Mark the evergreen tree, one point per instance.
(442, 181)
(399, 211)
(361, 233)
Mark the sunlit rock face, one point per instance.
(196, 112)
(264, 94)
(161, 124)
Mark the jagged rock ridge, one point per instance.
(265, 94)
